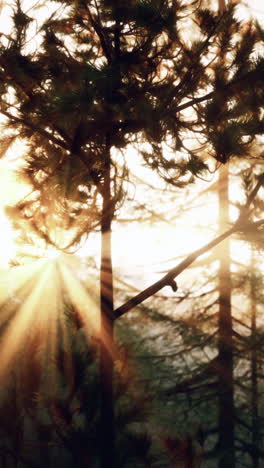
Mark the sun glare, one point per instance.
(52, 254)
(34, 295)
(7, 241)
(34, 298)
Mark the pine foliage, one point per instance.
(109, 75)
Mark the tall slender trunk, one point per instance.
(226, 410)
(225, 338)
(254, 369)
(107, 437)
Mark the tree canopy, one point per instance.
(180, 83)
(102, 76)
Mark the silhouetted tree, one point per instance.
(105, 76)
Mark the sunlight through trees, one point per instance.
(85, 84)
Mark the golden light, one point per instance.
(52, 254)
(7, 241)
(35, 300)
(34, 294)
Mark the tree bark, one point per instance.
(225, 338)
(107, 436)
(254, 369)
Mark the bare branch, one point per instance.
(168, 278)
(173, 273)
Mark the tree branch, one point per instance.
(99, 31)
(168, 278)
(49, 136)
(173, 273)
(195, 101)
(37, 129)
(208, 96)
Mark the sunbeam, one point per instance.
(23, 321)
(34, 300)
(83, 300)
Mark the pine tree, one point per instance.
(105, 76)
(225, 338)
(214, 378)
(58, 426)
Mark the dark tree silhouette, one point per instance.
(105, 75)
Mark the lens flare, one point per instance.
(33, 319)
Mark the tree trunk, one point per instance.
(225, 338)
(254, 369)
(107, 438)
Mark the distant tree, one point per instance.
(202, 380)
(105, 76)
